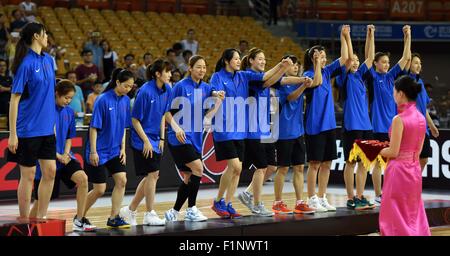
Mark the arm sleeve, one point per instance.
(98, 113)
(72, 133)
(20, 79)
(139, 106)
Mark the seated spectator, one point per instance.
(11, 47)
(128, 60)
(183, 67)
(94, 45)
(148, 59)
(5, 88)
(19, 21)
(176, 76)
(135, 70)
(171, 57)
(4, 36)
(29, 9)
(62, 63)
(87, 73)
(98, 89)
(243, 47)
(109, 60)
(178, 48)
(77, 104)
(189, 43)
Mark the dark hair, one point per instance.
(177, 46)
(227, 55)
(64, 86)
(26, 38)
(186, 52)
(251, 55)
(378, 55)
(415, 55)
(428, 85)
(109, 45)
(192, 60)
(309, 54)
(290, 56)
(169, 51)
(408, 86)
(118, 74)
(14, 12)
(147, 53)
(70, 72)
(3, 60)
(85, 51)
(128, 55)
(243, 41)
(158, 65)
(190, 30)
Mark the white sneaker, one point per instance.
(83, 225)
(152, 219)
(193, 214)
(324, 203)
(171, 215)
(314, 203)
(128, 215)
(377, 200)
(260, 210)
(246, 199)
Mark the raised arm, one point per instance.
(317, 70)
(348, 41)
(407, 47)
(370, 42)
(345, 32)
(274, 74)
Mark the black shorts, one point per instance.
(271, 154)
(349, 137)
(64, 174)
(229, 149)
(32, 149)
(98, 174)
(426, 149)
(321, 147)
(255, 155)
(184, 154)
(144, 166)
(381, 136)
(291, 152)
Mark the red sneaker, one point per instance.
(303, 208)
(281, 208)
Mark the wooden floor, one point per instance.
(99, 215)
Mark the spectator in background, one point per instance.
(62, 64)
(171, 57)
(98, 89)
(94, 45)
(183, 67)
(77, 104)
(19, 21)
(11, 47)
(109, 60)
(178, 48)
(5, 88)
(87, 73)
(189, 43)
(138, 82)
(273, 11)
(128, 61)
(243, 47)
(4, 36)
(148, 59)
(431, 108)
(29, 9)
(176, 76)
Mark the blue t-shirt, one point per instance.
(422, 100)
(188, 92)
(35, 81)
(110, 117)
(383, 107)
(320, 115)
(149, 108)
(230, 122)
(356, 111)
(291, 114)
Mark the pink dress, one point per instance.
(402, 212)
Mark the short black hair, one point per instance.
(186, 52)
(147, 53)
(169, 51)
(85, 51)
(177, 46)
(128, 55)
(243, 41)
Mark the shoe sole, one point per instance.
(121, 227)
(221, 214)
(281, 212)
(304, 212)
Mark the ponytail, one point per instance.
(26, 38)
(118, 74)
(309, 55)
(227, 55)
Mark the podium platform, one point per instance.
(14, 226)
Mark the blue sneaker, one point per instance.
(220, 208)
(233, 213)
(117, 222)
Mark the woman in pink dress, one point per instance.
(402, 212)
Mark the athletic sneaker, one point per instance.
(280, 208)
(360, 205)
(377, 200)
(246, 199)
(368, 203)
(193, 214)
(303, 208)
(221, 208)
(117, 222)
(233, 213)
(351, 203)
(152, 219)
(83, 225)
(260, 210)
(314, 203)
(171, 215)
(324, 202)
(128, 215)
